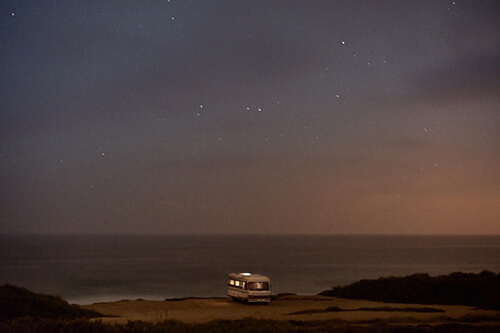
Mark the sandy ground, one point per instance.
(194, 310)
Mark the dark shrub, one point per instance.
(18, 302)
(481, 290)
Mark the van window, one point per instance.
(258, 285)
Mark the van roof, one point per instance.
(248, 276)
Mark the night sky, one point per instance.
(317, 117)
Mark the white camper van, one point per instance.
(250, 288)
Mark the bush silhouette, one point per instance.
(481, 290)
(18, 302)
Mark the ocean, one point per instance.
(93, 268)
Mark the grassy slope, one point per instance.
(481, 290)
(18, 302)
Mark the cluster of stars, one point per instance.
(266, 138)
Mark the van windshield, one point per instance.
(258, 285)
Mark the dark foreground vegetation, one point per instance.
(17, 302)
(249, 325)
(481, 290)
(24, 311)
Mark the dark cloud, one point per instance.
(474, 74)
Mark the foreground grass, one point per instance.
(27, 324)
